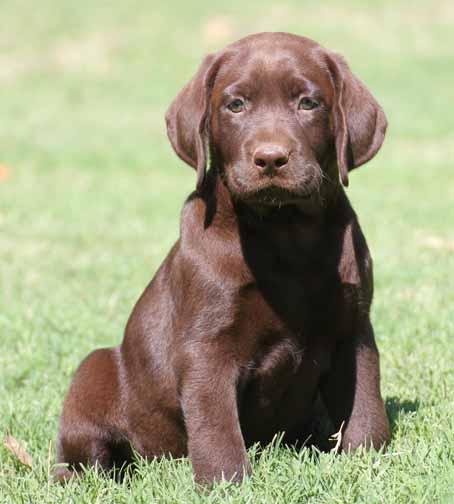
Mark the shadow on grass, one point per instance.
(395, 406)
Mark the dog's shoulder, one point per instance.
(209, 241)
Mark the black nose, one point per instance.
(270, 157)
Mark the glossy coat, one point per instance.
(260, 312)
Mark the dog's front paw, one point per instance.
(212, 471)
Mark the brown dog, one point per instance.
(262, 306)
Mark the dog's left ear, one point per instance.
(187, 117)
(359, 121)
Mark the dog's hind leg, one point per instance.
(91, 424)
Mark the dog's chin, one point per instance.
(275, 196)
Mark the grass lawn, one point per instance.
(90, 195)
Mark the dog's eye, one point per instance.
(236, 106)
(307, 103)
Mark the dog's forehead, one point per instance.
(276, 59)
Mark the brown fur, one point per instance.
(261, 309)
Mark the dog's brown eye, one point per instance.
(307, 103)
(236, 106)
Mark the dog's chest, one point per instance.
(278, 366)
(279, 386)
(293, 325)
(305, 300)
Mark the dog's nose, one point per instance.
(270, 157)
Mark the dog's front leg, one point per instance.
(351, 391)
(208, 389)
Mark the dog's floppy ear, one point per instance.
(187, 116)
(359, 121)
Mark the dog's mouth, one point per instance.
(276, 196)
(301, 189)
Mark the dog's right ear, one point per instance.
(187, 117)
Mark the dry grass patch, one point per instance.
(437, 243)
(218, 30)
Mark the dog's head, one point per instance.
(282, 118)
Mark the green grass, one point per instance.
(91, 207)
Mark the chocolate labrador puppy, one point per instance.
(261, 308)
